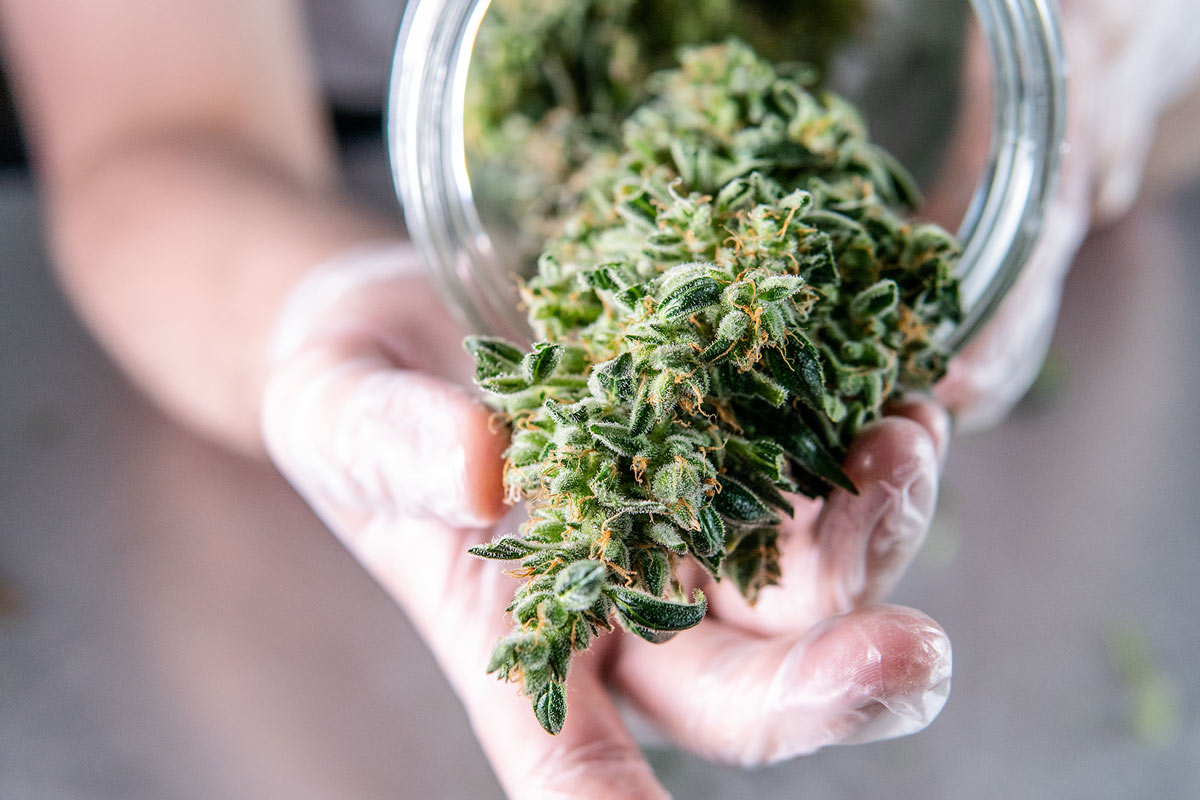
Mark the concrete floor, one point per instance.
(175, 624)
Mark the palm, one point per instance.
(405, 468)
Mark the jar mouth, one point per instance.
(1001, 225)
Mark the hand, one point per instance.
(361, 415)
(1127, 64)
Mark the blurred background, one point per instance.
(175, 623)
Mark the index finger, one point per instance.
(851, 549)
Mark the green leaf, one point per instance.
(641, 415)
(769, 491)
(710, 539)
(568, 479)
(615, 377)
(777, 288)
(717, 351)
(649, 634)
(799, 371)
(581, 634)
(504, 384)
(739, 503)
(532, 652)
(541, 363)
(739, 193)
(753, 562)
(664, 394)
(654, 568)
(559, 660)
(578, 585)
(763, 455)
(673, 481)
(733, 325)
(503, 654)
(537, 684)
(774, 323)
(553, 612)
(805, 448)
(607, 490)
(507, 548)
(875, 300)
(618, 438)
(525, 609)
(639, 209)
(616, 553)
(559, 413)
(908, 193)
(601, 278)
(654, 613)
(527, 447)
(695, 295)
(765, 389)
(546, 531)
(667, 535)
(492, 356)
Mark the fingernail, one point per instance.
(909, 699)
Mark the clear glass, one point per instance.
(429, 164)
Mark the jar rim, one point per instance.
(1001, 226)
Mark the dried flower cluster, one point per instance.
(552, 80)
(734, 295)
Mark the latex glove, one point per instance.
(1128, 62)
(405, 467)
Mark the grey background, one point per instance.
(174, 623)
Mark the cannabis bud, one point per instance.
(551, 81)
(733, 297)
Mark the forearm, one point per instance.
(179, 249)
(189, 179)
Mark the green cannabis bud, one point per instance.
(551, 80)
(736, 293)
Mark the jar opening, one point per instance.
(472, 255)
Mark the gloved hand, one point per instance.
(364, 417)
(1128, 62)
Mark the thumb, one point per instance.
(352, 431)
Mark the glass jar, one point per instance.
(426, 141)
